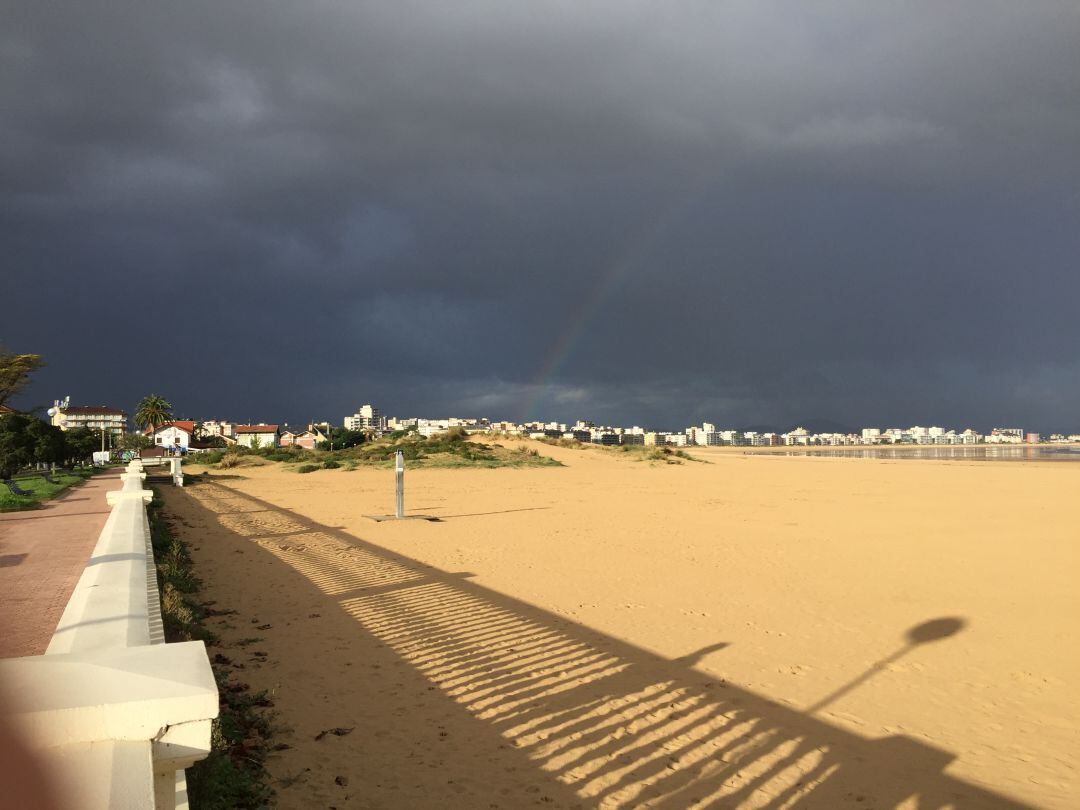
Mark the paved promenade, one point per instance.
(42, 555)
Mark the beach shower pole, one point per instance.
(399, 506)
(399, 474)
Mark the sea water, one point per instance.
(977, 452)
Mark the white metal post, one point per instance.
(399, 474)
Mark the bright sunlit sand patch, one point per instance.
(867, 633)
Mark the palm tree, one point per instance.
(153, 412)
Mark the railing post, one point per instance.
(176, 471)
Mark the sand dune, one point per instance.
(609, 633)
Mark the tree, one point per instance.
(82, 442)
(25, 439)
(16, 445)
(153, 411)
(47, 441)
(133, 441)
(15, 370)
(342, 438)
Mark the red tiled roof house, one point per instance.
(178, 434)
(300, 438)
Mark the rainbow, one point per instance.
(617, 274)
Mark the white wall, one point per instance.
(265, 439)
(172, 437)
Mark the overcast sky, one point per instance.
(641, 213)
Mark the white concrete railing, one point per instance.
(116, 713)
(172, 462)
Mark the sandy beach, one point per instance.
(738, 633)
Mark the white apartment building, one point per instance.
(367, 417)
(95, 417)
(605, 436)
(212, 427)
(1006, 436)
(697, 435)
(919, 435)
(431, 427)
(799, 435)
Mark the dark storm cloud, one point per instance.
(746, 212)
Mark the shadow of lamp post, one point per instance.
(933, 630)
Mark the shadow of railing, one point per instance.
(615, 724)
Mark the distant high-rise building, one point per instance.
(367, 417)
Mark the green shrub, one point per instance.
(306, 468)
(665, 454)
(450, 449)
(331, 465)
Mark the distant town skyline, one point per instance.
(370, 415)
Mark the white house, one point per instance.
(174, 434)
(256, 435)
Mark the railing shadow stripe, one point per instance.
(619, 725)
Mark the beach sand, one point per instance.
(614, 633)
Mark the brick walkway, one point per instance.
(42, 555)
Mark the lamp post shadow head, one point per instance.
(934, 630)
